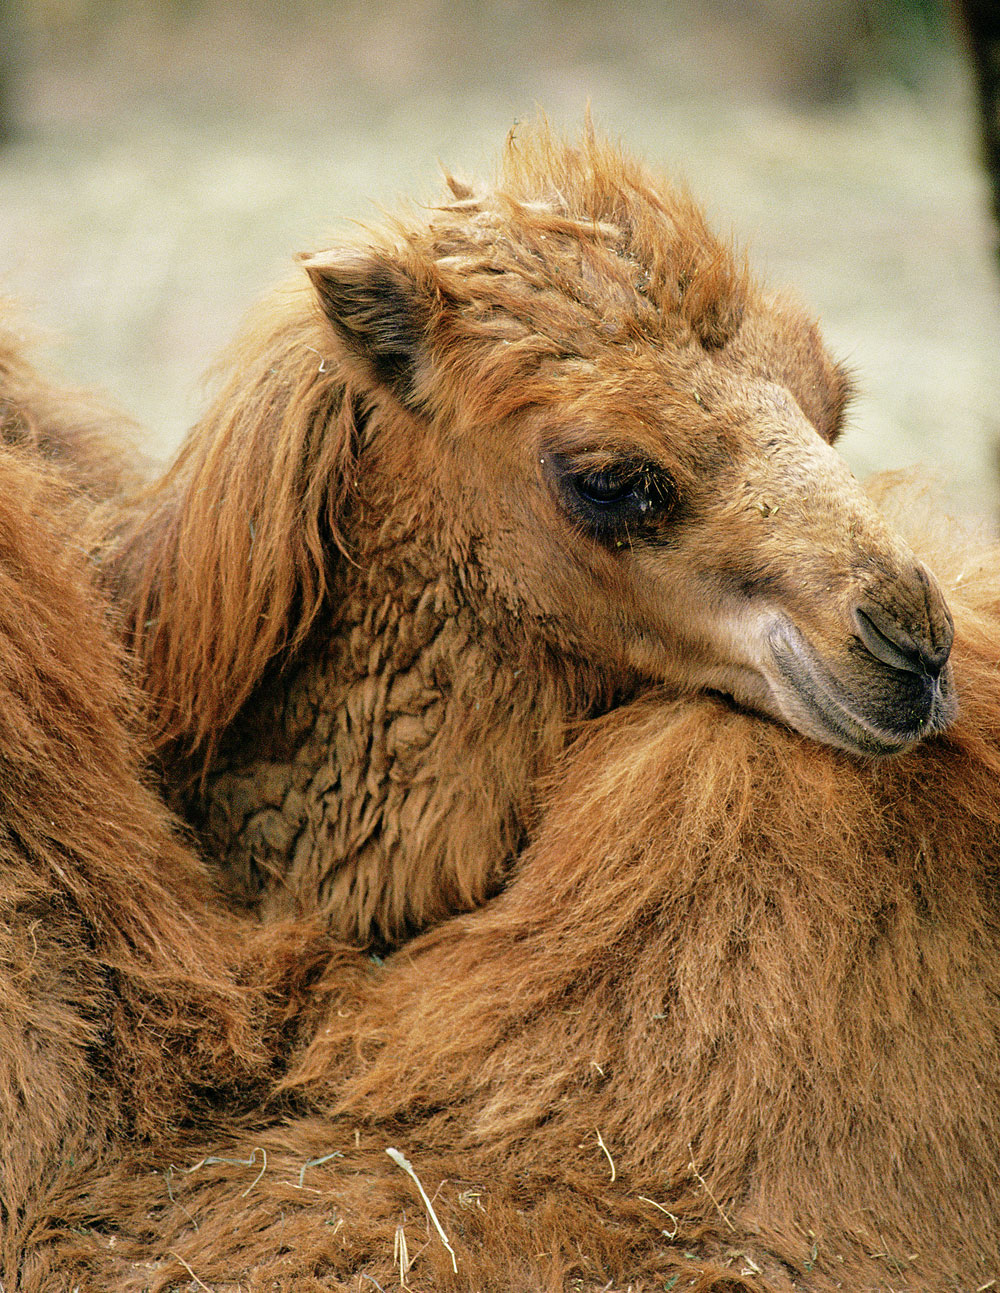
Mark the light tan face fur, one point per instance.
(761, 571)
(590, 393)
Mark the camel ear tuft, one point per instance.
(373, 307)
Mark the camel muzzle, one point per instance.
(915, 635)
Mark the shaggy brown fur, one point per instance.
(128, 1005)
(492, 473)
(733, 1026)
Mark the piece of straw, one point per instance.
(407, 1167)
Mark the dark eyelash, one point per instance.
(605, 488)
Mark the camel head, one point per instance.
(580, 399)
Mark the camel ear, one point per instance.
(375, 309)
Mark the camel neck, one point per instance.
(388, 778)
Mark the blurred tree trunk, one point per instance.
(8, 47)
(981, 21)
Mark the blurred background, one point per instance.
(162, 161)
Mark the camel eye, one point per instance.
(622, 501)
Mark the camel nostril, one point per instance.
(889, 642)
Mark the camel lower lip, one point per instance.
(816, 703)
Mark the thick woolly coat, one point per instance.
(733, 1026)
(131, 1005)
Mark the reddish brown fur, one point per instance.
(129, 1005)
(366, 606)
(733, 1026)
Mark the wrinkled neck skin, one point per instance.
(387, 778)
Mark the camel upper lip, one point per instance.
(818, 703)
